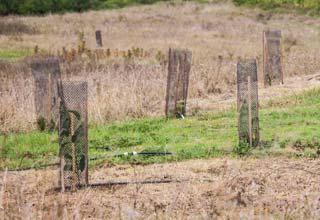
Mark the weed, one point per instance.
(242, 148)
(43, 125)
(126, 140)
(122, 18)
(198, 151)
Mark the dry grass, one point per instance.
(14, 26)
(217, 34)
(274, 188)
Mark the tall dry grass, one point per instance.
(118, 89)
(217, 34)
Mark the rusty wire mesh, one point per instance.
(247, 102)
(73, 134)
(178, 83)
(46, 73)
(272, 58)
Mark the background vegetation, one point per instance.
(60, 6)
(54, 6)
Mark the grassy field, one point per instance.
(217, 34)
(213, 177)
(289, 126)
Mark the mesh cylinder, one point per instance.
(73, 133)
(178, 83)
(46, 74)
(272, 58)
(247, 102)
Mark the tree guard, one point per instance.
(178, 83)
(247, 102)
(272, 58)
(46, 73)
(73, 134)
(99, 38)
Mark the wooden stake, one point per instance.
(49, 100)
(62, 164)
(74, 174)
(249, 111)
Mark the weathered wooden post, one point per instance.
(178, 83)
(272, 58)
(247, 102)
(73, 134)
(46, 73)
(99, 39)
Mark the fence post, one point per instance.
(248, 103)
(99, 39)
(178, 83)
(46, 73)
(272, 57)
(73, 134)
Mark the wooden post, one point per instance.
(99, 39)
(74, 160)
(62, 164)
(49, 99)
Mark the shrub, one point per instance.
(53, 6)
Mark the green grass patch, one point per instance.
(288, 127)
(13, 54)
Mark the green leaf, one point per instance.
(82, 163)
(78, 134)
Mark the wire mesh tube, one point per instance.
(46, 73)
(247, 102)
(272, 58)
(178, 83)
(73, 134)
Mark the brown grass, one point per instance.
(217, 34)
(274, 188)
(14, 26)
